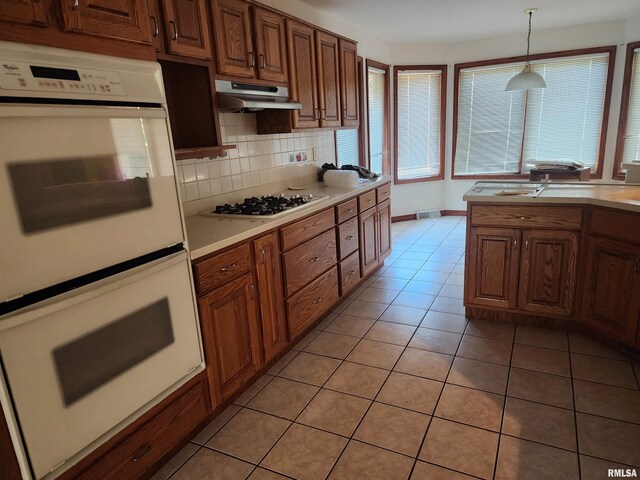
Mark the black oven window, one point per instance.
(86, 363)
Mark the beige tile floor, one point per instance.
(397, 384)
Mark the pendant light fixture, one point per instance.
(527, 79)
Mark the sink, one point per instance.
(515, 189)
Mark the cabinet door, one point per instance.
(271, 45)
(548, 271)
(369, 249)
(349, 83)
(157, 33)
(328, 57)
(384, 229)
(234, 50)
(121, 19)
(28, 12)
(303, 85)
(611, 299)
(230, 336)
(492, 278)
(187, 28)
(270, 296)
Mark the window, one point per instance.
(378, 116)
(628, 147)
(498, 133)
(419, 122)
(347, 147)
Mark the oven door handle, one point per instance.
(35, 111)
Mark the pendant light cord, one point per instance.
(529, 36)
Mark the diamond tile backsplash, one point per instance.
(258, 159)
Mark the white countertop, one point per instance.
(208, 234)
(614, 195)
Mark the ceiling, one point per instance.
(403, 21)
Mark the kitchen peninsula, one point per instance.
(563, 255)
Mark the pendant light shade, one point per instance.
(527, 79)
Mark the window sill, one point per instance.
(402, 181)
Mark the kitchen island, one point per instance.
(561, 255)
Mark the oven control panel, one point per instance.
(26, 77)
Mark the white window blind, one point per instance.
(418, 123)
(347, 148)
(631, 151)
(376, 79)
(502, 132)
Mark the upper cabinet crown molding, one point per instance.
(121, 19)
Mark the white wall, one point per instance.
(447, 194)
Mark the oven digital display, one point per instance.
(54, 73)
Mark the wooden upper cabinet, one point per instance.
(187, 28)
(120, 19)
(303, 86)
(611, 299)
(349, 83)
(27, 12)
(328, 79)
(493, 267)
(271, 45)
(157, 32)
(234, 51)
(270, 295)
(548, 271)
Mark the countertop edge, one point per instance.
(599, 202)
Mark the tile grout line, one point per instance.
(575, 413)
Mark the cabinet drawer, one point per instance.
(349, 272)
(348, 238)
(307, 261)
(346, 210)
(310, 303)
(366, 200)
(134, 455)
(564, 218)
(383, 192)
(215, 271)
(299, 232)
(616, 224)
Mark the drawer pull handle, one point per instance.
(314, 259)
(370, 200)
(144, 451)
(228, 268)
(350, 274)
(350, 237)
(317, 300)
(75, 5)
(350, 210)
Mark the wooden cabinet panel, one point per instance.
(492, 270)
(368, 241)
(27, 12)
(624, 226)
(214, 271)
(313, 301)
(187, 28)
(383, 192)
(347, 210)
(349, 83)
(303, 83)
(133, 456)
(307, 261)
(230, 335)
(328, 57)
(121, 19)
(270, 295)
(564, 218)
(349, 273)
(366, 200)
(234, 50)
(348, 240)
(611, 299)
(548, 271)
(271, 45)
(384, 229)
(306, 229)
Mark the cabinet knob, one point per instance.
(314, 259)
(317, 300)
(228, 268)
(350, 274)
(350, 237)
(350, 210)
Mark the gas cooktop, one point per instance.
(267, 206)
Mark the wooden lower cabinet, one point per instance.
(384, 229)
(230, 331)
(368, 241)
(349, 273)
(548, 269)
(612, 294)
(270, 295)
(492, 271)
